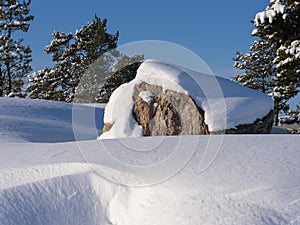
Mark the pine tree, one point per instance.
(15, 58)
(58, 82)
(279, 25)
(294, 114)
(93, 78)
(73, 55)
(258, 67)
(106, 74)
(126, 69)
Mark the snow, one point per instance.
(44, 121)
(12, 54)
(254, 32)
(276, 8)
(120, 113)
(147, 96)
(293, 50)
(226, 104)
(13, 7)
(17, 23)
(284, 16)
(254, 179)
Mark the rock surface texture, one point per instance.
(167, 113)
(259, 126)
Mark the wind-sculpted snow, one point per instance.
(44, 121)
(57, 200)
(255, 179)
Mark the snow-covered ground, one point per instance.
(45, 121)
(45, 179)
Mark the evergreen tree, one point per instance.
(126, 69)
(94, 77)
(106, 74)
(258, 67)
(15, 58)
(58, 82)
(294, 115)
(273, 65)
(73, 55)
(279, 25)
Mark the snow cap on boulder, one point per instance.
(220, 105)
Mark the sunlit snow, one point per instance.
(44, 178)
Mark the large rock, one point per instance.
(172, 113)
(164, 99)
(167, 113)
(259, 126)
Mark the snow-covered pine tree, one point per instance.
(98, 47)
(15, 58)
(73, 55)
(258, 67)
(279, 24)
(59, 81)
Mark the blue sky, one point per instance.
(214, 30)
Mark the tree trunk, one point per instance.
(9, 80)
(8, 69)
(276, 113)
(276, 118)
(1, 83)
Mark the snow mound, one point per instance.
(254, 180)
(54, 194)
(44, 121)
(226, 104)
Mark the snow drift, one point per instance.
(46, 121)
(255, 179)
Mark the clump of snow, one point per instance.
(284, 16)
(294, 118)
(234, 105)
(17, 23)
(276, 8)
(293, 50)
(254, 32)
(118, 112)
(147, 96)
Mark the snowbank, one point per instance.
(46, 121)
(255, 179)
(226, 104)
